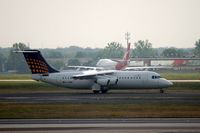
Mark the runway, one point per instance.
(115, 96)
(137, 125)
(141, 125)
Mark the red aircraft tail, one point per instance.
(126, 59)
(127, 53)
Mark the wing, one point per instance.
(86, 68)
(93, 73)
(147, 68)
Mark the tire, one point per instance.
(161, 91)
(95, 91)
(104, 91)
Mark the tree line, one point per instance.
(73, 55)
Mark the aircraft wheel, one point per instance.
(95, 91)
(161, 91)
(104, 91)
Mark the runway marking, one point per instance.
(111, 125)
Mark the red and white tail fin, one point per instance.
(126, 59)
(127, 53)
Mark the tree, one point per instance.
(143, 49)
(197, 48)
(16, 61)
(57, 64)
(19, 46)
(90, 63)
(51, 53)
(112, 50)
(174, 52)
(170, 52)
(74, 62)
(2, 62)
(80, 54)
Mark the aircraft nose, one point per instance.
(165, 83)
(170, 83)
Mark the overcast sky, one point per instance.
(94, 23)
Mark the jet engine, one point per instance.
(107, 81)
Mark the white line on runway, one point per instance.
(119, 125)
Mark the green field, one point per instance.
(181, 76)
(15, 76)
(167, 75)
(34, 86)
(12, 110)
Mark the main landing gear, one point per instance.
(96, 88)
(161, 91)
(96, 91)
(100, 91)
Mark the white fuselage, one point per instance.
(125, 80)
(107, 64)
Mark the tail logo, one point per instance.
(37, 66)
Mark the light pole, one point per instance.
(127, 37)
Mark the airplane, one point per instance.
(97, 81)
(116, 64)
(109, 64)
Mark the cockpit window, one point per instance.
(156, 77)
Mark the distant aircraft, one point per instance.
(179, 62)
(109, 64)
(97, 81)
(116, 64)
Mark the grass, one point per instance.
(29, 87)
(34, 87)
(15, 76)
(181, 76)
(186, 86)
(12, 110)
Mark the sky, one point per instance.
(94, 23)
